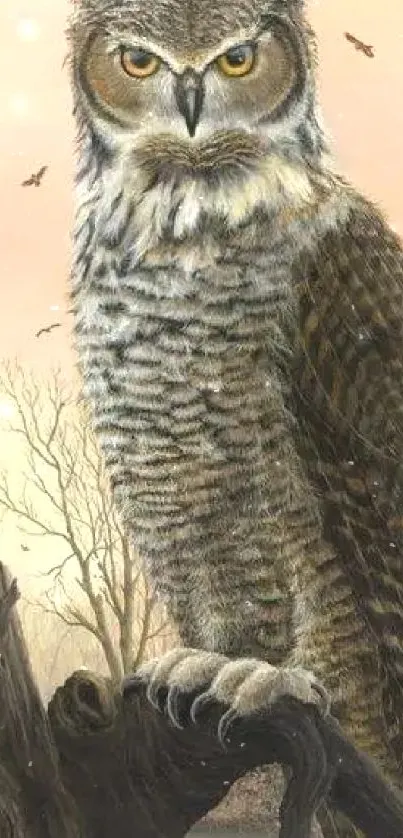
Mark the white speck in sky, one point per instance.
(54, 308)
(19, 104)
(7, 410)
(28, 29)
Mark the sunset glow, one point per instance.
(19, 104)
(7, 410)
(28, 29)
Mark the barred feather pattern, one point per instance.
(241, 347)
(351, 308)
(176, 368)
(190, 372)
(183, 367)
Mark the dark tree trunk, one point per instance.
(100, 765)
(33, 800)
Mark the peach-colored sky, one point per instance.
(360, 99)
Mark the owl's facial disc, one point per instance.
(189, 98)
(205, 108)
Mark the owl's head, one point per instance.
(199, 85)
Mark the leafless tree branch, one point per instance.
(63, 494)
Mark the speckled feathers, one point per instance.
(238, 317)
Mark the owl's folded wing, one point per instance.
(349, 403)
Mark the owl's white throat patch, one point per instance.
(176, 209)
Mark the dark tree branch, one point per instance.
(33, 800)
(102, 764)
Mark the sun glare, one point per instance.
(7, 410)
(28, 29)
(19, 104)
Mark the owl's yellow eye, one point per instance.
(138, 62)
(237, 61)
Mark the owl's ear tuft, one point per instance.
(287, 7)
(298, 5)
(293, 5)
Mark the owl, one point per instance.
(238, 319)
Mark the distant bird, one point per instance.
(36, 177)
(47, 329)
(359, 45)
(25, 548)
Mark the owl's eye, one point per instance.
(138, 62)
(237, 61)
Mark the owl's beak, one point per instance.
(189, 98)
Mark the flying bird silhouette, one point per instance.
(36, 177)
(47, 329)
(359, 45)
(25, 548)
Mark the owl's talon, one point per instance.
(225, 724)
(325, 702)
(199, 704)
(154, 696)
(184, 682)
(132, 684)
(173, 706)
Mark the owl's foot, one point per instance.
(184, 681)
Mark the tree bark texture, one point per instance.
(98, 764)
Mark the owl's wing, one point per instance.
(352, 332)
(349, 400)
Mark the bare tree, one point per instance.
(98, 583)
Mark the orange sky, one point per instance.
(360, 99)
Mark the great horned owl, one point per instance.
(238, 315)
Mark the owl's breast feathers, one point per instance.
(248, 398)
(184, 353)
